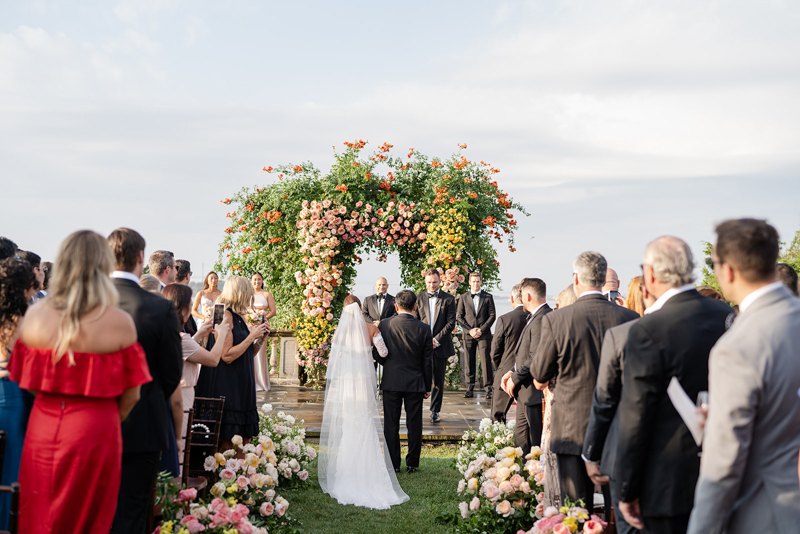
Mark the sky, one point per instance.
(612, 122)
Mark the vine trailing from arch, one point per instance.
(305, 230)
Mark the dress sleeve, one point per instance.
(377, 341)
(188, 346)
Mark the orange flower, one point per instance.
(267, 169)
(297, 168)
(462, 145)
(341, 187)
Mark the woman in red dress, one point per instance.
(78, 354)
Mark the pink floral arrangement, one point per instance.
(569, 518)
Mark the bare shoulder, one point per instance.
(372, 329)
(123, 325)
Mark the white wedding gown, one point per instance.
(354, 466)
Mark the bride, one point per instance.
(354, 464)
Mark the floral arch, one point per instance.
(304, 231)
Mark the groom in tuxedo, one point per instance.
(406, 377)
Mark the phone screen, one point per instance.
(219, 313)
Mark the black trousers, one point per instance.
(674, 524)
(392, 405)
(437, 395)
(575, 482)
(139, 472)
(528, 430)
(501, 402)
(471, 347)
(622, 526)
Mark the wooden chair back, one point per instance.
(187, 448)
(204, 435)
(13, 519)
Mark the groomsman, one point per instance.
(476, 315)
(379, 306)
(504, 350)
(437, 309)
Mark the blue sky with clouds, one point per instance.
(612, 122)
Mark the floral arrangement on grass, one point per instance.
(572, 517)
(305, 229)
(288, 436)
(490, 438)
(504, 492)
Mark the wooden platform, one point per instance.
(458, 414)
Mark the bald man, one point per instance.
(379, 306)
(612, 284)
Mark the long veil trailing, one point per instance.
(354, 465)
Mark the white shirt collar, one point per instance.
(538, 308)
(407, 313)
(517, 306)
(163, 285)
(591, 292)
(668, 294)
(125, 275)
(758, 293)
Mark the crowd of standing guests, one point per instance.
(100, 361)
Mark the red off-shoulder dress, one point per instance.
(71, 461)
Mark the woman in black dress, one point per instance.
(234, 377)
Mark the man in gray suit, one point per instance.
(748, 477)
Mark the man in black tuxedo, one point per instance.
(406, 377)
(569, 349)
(504, 350)
(519, 382)
(437, 309)
(379, 306)
(145, 431)
(658, 461)
(475, 313)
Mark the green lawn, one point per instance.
(432, 490)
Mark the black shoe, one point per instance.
(469, 394)
(435, 417)
(489, 395)
(411, 470)
(396, 469)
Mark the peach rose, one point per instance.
(592, 527)
(472, 484)
(492, 492)
(504, 508)
(561, 528)
(266, 509)
(506, 487)
(474, 504)
(516, 481)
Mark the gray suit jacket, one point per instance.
(600, 443)
(748, 473)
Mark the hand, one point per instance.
(435, 344)
(505, 383)
(620, 301)
(427, 395)
(220, 331)
(475, 333)
(259, 330)
(702, 416)
(376, 323)
(204, 329)
(593, 470)
(538, 385)
(632, 513)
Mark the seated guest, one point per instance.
(634, 300)
(748, 481)
(17, 286)
(78, 352)
(788, 276)
(193, 354)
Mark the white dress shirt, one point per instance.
(758, 293)
(476, 299)
(380, 304)
(668, 294)
(591, 292)
(432, 308)
(125, 275)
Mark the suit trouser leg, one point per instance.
(392, 406)
(521, 433)
(676, 524)
(487, 368)
(470, 365)
(534, 416)
(413, 401)
(501, 402)
(575, 483)
(437, 395)
(619, 520)
(139, 472)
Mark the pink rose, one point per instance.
(492, 492)
(561, 528)
(474, 504)
(189, 494)
(242, 482)
(281, 509)
(599, 521)
(591, 527)
(303, 475)
(266, 509)
(464, 509)
(516, 481)
(506, 487)
(504, 508)
(227, 474)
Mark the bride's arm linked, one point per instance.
(377, 340)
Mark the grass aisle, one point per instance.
(432, 490)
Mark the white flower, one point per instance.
(464, 508)
(289, 419)
(462, 484)
(485, 423)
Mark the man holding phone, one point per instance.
(611, 287)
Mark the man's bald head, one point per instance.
(381, 286)
(612, 281)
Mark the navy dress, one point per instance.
(236, 381)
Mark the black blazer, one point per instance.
(525, 353)
(158, 330)
(600, 442)
(466, 317)
(569, 349)
(661, 463)
(444, 321)
(370, 308)
(506, 335)
(410, 345)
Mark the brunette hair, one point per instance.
(710, 292)
(181, 296)
(126, 244)
(16, 276)
(349, 299)
(205, 280)
(750, 245)
(183, 270)
(635, 299)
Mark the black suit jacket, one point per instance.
(657, 458)
(466, 317)
(444, 321)
(569, 349)
(525, 353)
(158, 331)
(410, 345)
(370, 308)
(506, 335)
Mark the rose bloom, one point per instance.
(492, 492)
(506, 487)
(474, 504)
(516, 481)
(303, 475)
(242, 482)
(592, 527)
(210, 463)
(188, 494)
(504, 508)
(503, 473)
(525, 487)
(491, 473)
(266, 509)
(237, 440)
(218, 489)
(561, 528)
(540, 510)
(227, 474)
(281, 508)
(464, 508)
(462, 484)
(472, 484)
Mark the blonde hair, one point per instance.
(150, 283)
(237, 294)
(566, 297)
(635, 299)
(80, 284)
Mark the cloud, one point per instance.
(194, 29)
(132, 10)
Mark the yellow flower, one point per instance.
(231, 501)
(232, 489)
(571, 523)
(166, 527)
(564, 510)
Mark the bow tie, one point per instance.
(475, 295)
(433, 295)
(381, 297)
